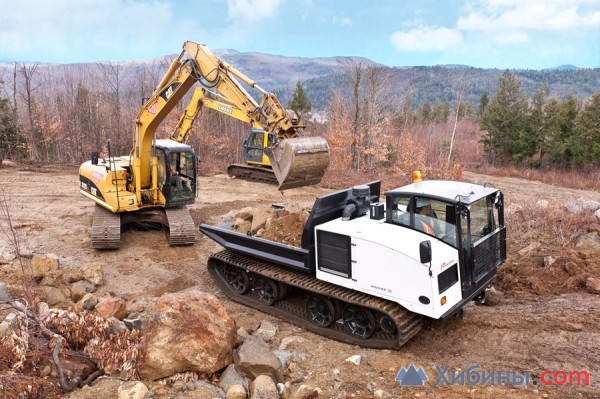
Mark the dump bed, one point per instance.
(281, 254)
(326, 208)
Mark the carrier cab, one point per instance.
(431, 247)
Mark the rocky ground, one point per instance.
(544, 313)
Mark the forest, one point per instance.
(376, 119)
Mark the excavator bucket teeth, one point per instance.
(299, 161)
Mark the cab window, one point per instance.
(400, 210)
(430, 216)
(435, 218)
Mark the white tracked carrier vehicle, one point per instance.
(368, 273)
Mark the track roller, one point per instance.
(358, 321)
(321, 310)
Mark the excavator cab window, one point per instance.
(162, 176)
(179, 179)
(254, 145)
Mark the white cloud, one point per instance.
(515, 21)
(426, 38)
(511, 15)
(343, 21)
(253, 10)
(346, 22)
(52, 29)
(412, 22)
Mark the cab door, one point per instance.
(254, 146)
(177, 177)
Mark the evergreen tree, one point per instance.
(440, 111)
(299, 102)
(425, 112)
(536, 132)
(587, 131)
(563, 145)
(553, 144)
(504, 119)
(465, 109)
(483, 102)
(12, 143)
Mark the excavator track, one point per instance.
(106, 229)
(252, 173)
(293, 292)
(181, 226)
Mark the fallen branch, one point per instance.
(64, 384)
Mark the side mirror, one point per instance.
(425, 251)
(95, 158)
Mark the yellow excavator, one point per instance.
(273, 153)
(156, 181)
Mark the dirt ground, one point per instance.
(537, 325)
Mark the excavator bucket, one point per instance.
(299, 161)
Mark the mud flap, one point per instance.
(299, 162)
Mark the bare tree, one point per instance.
(376, 102)
(28, 72)
(355, 71)
(113, 75)
(458, 101)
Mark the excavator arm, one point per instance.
(199, 100)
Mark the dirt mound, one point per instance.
(283, 225)
(551, 250)
(549, 271)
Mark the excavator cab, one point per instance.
(254, 146)
(177, 167)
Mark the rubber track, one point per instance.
(106, 229)
(408, 323)
(252, 173)
(182, 230)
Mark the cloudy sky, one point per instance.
(482, 33)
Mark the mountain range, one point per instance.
(320, 77)
(323, 76)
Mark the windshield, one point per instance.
(430, 216)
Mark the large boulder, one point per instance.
(593, 285)
(266, 331)
(74, 365)
(231, 377)
(42, 264)
(80, 289)
(112, 307)
(132, 390)
(93, 273)
(259, 218)
(255, 358)
(263, 387)
(52, 278)
(186, 331)
(55, 297)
